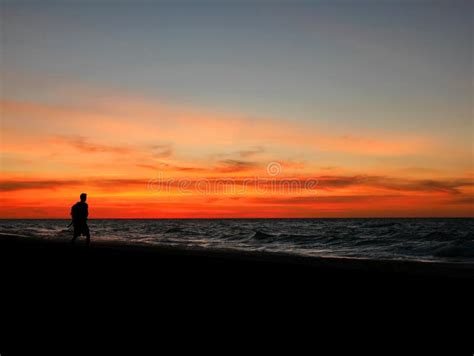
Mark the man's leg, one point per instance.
(74, 237)
(88, 236)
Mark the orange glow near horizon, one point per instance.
(48, 160)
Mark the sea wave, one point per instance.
(411, 239)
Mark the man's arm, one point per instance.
(72, 216)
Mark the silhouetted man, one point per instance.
(79, 214)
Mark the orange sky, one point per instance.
(141, 159)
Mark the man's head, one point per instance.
(83, 197)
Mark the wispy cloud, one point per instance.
(318, 200)
(451, 186)
(233, 166)
(326, 183)
(14, 185)
(162, 151)
(192, 127)
(86, 145)
(251, 152)
(104, 183)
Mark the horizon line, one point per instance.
(261, 218)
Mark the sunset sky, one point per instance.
(124, 100)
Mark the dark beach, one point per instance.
(27, 262)
(113, 286)
(24, 250)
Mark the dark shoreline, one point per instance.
(110, 288)
(107, 249)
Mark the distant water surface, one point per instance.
(407, 239)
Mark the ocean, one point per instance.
(434, 239)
